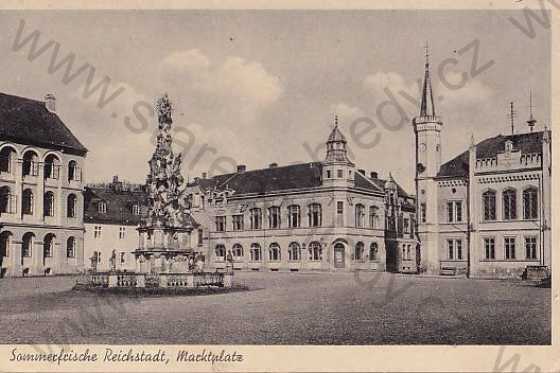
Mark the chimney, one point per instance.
(362, 171)
(204, 175)
(50, 102)
(273, 165)
(241, 168)
(374, 175)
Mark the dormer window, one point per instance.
(102, 207)
(509, 146)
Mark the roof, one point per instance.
(28, 121)
(527, 143)
(336, 135)
(277, 179)
(119, 206)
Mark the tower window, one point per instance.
(339, 173)
(328, 174)
(423, 212)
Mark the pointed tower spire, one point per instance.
(427, 107)
(532, 121)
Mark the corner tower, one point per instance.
(427, 129)
(338, 170)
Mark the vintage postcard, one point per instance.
(250, 186)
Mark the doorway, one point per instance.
(339, 255)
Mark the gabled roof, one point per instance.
(28, 121)
(527, 143)
(276, 179)
(119, 206)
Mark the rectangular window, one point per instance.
(509, 246)
(339, 207)
(220, 223)
(339, 173)
(454, 211)
(200, 237)
(274, 217)
(489, 247)
(406, 225)
(423, 212)
(256, 218)
(531, 247)
(450, 249)
(97, 231)
(122, 233)
(458, 211)
(237, 222)
(459, 249)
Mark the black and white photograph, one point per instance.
(286, 177)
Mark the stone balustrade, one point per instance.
(161, 280)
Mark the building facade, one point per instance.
(486, 212)
(112, 214)
(313, 216)
(41, 201)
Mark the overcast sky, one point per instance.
(256, 87)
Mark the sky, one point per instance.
(257, 87)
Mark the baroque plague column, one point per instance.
(165, 233)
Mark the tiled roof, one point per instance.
(276, 179)
(27, 121)
(298, 176)
(119, 206)
(527, 143)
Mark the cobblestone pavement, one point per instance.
(283, 308)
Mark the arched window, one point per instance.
(220, 252)
(255, 218)
(256, 254)
(51, 167)
(102, 207)
(373, 251)
(530, 203)
(7, 157)
(294, 252)
(360, 212)
(315, 215)
(30, 165)
(48, 245)
(48, 204)
(274, 252)
(27, 245)
(71, 247)
(510, 204)
(359, 252)
(294, 216)
(489, 205)
(5, 243)
(7, 200)
(73, 171)
(71, 206)
(237, 251)
(274, 217)
(27, 202)
(315, 252)
(373, 216)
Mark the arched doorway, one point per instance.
(339, 255)
(5, 242)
